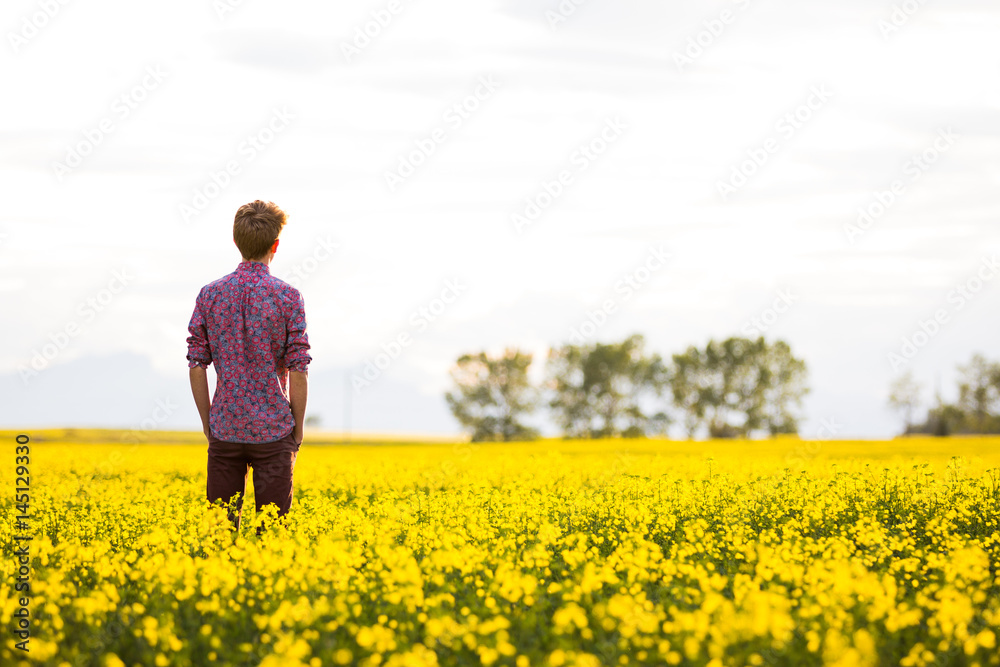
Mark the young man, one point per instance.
(252, 326)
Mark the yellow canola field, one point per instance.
(626, 552)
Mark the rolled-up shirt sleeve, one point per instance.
(297, 343)
(199, 353)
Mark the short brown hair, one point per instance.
(257, 227)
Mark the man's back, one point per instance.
(253, 327)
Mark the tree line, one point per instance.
(738, 387)
(977, 410)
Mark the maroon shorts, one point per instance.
(273, 465)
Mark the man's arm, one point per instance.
(297, 360)
(199, 356)
(199, 388)
(298, 391)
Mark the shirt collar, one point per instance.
(253, 267)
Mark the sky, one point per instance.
(480, 175)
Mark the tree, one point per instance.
(599, 390)
(979, 395)
(943, 420)
(738, 387)
(781, 385)
(978, 406)
(492, 394)
(904, 397)
(693, 392)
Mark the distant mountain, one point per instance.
(123, 390)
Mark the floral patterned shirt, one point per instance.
(253, 327)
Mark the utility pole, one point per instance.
(347, 406)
